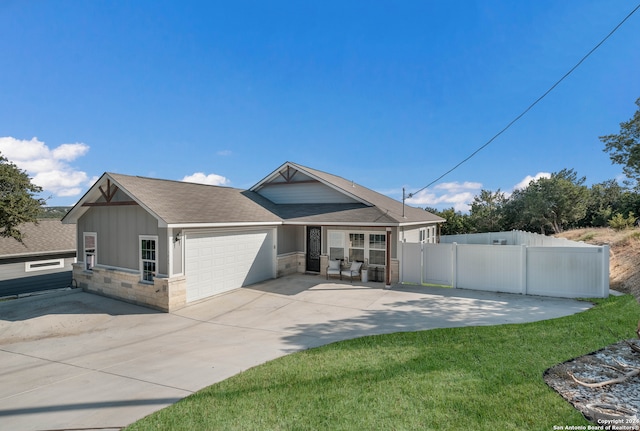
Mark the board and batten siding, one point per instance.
(118, 229)
(308, 193)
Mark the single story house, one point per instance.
(165, 244)
(42, 261)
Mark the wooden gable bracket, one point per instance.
(108, 197)
(289, 174)
(110, 192)
(288, 177)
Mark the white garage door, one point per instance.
(219, 262)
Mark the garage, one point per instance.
(217, 262)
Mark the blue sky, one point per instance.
(388, 94)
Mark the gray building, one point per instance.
(43, 261)
(165, 244)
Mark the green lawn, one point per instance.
(474, 378)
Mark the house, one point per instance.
(165, 244)
(42, 261)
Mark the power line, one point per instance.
(528, 108)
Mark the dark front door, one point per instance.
(314, 248)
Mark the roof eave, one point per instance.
(178, 225)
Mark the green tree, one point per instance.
(486, 213)
(624, 148)
(620, 222)
(548, 204)
(18, 203)
(456, 222)
(604, 200)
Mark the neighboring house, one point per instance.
(166, 243)
(42, 261)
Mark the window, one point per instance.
(90, 249)
(377, 249)
(356, 247)
(42, 265)
(336, 245)
(360, 246)
(148, 259)
(423, 235)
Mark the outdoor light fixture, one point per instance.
(177, 238)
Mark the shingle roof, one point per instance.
(333, 213)
(181, 202)
(46, 237)
(391, 208)
(178, 202)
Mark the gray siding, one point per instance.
(290, 239)
(118, 228)
(308, 193)
(163, 251)
(177, 254)
(15, 280)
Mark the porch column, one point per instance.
(387, 272)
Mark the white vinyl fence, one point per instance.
(538, 266)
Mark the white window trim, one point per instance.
(43, 265)
(346, 243)
(84, 249)
(140, 239)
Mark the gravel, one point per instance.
(617, 403)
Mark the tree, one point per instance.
(486, 211)
(18, 203)
(624, 148)
(456, 222)
(553, 203)
(605, 199)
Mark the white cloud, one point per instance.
(526, 180)
(224, 153)
(211, 179)
(446, 195)
(49, 168)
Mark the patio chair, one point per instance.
(353, 270)
(334, 268)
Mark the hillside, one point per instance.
(624, 266)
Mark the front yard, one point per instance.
(479, 378)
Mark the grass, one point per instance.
(476, 378)
(587, 237)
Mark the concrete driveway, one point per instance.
(81, 361)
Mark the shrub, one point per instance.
(620, 222)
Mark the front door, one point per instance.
(314, 248)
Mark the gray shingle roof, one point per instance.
(391, 208)
(46, 237)
(333, 213)
(181, 202)
(178, 202)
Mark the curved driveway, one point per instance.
(77, 360)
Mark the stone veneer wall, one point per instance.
(165, 294)
(395, 271)
(291, 263)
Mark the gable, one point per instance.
(176, 203)
(289, 185)
(295, 184)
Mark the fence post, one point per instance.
(523, 269)
(605, 271)
(422, 265)
(454, 264)
(402, 262)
